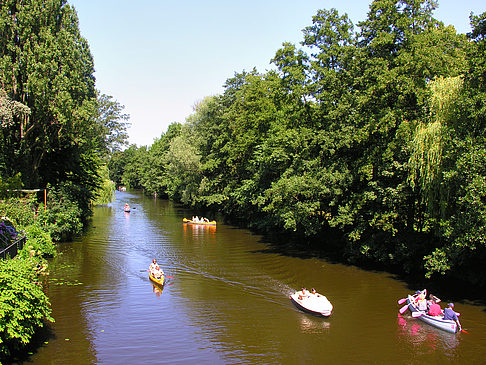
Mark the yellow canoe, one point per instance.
(189, 221)
(157, 281)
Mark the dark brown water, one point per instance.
(228, 302)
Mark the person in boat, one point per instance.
(450, 314)
(127, 207)
(434, 309)
(206, 220)
(155, 269)
(420, 302)
(304, 293)
(432, 299)
(313, 292)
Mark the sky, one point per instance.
(159, 58)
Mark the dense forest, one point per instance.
(57, 130)
(367, 138)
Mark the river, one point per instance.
(228, 301)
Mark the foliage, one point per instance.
(39, 243)
(375, 135)
(105, 193)
(113, 123)
(56, 126)
(23, 305)
(65, 215)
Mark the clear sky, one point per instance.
(158, 58)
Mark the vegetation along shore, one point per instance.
(367, 140)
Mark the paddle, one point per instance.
(167, 276)
(401, 301)
(403, 309)
(464, 331)
(417, 314)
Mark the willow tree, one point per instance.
(431, 139)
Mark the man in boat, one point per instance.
(155, 269)
(450, 314)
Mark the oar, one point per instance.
(464, 331)
(417, 314)
(167, 276)
(403, 309)
(401, 301)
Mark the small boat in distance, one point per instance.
(314, 303)
(126, 208)
(201, 222)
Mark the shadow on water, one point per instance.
(327, 249)
(41, 338)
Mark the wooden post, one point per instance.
(45, 199)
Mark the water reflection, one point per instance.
(157, 290)
(194, 233)
(310, 324)
(418, 333)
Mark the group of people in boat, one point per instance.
(126, 208)
(432, 307)
(196, 219)
(155, 270)
(305, 294)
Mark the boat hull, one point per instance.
(318, 306)
(188, 221)
(157, 281)
(445, 325)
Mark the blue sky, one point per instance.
(158, 58)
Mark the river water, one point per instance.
(228, 302)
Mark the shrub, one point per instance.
(39, 242)
(20, 211)
(23, 305)
(64, 217)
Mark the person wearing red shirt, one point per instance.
(435, 309)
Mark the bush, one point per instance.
(23, 305)
(20, 211)
(39, 243)
(64, 217)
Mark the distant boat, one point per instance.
(126, 208)
(190, 221)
